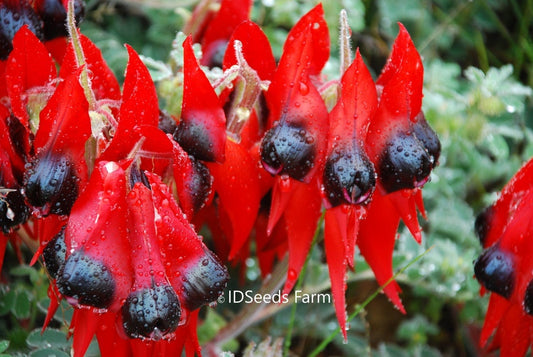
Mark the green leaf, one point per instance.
(4, 344)
(50, 338)
(25, 270)
(22, 306)
(7, 301)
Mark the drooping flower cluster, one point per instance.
(365, 160)
(115, 189)
(504, 268)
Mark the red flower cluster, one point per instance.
(365, 161)
(110, 185)
(504, 267)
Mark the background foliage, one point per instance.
(478, 59)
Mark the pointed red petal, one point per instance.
(515, 332)
(420, 203)
(55, 298)
(64, 122)
(404, 202)
(404, 71)
(110, 343)
(281, 194)
(97, 227)
(503, 209)
(314, 23)
(350, 117)
(256, 50)
(302, 215)
(139, 107)
(85, 323)
(336, 258)
(377, 235)
(202, 128)
(498, 306)
(236, 183)
(29, 65)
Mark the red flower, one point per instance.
(294, 146)
(349, 177)
(504, 268)
(404, 149)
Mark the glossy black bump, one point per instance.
(427, 137)
(54, 16)
(194, 138)
(199, 184)
(51, 182)
(151, 312)
(14, 15)
(349, 177)
(483, 223)
(204, 282)
(404, 163)
(54, 253)
(494, 269)
(86, 280)
(528, 299)
(288, 150)
(13, 210)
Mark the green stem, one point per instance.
(360, 307)
(288, 336)
(80, 57)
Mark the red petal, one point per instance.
(85, 322)
(29, 65)
(55, 298)
(110, 343)
(377, 235)
(57, 48)
(313, 23)
(497, 308)
(336, 257)
(350, 117)
(236, 183)
(404, 72)
(256, 50)
(145, 253)
(202, 128)
(139, 107)
(515, 332)
(404, 202)
(64, 122)
(98, 226)
(302, 214)
(503, 209)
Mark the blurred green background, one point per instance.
(478, 58)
